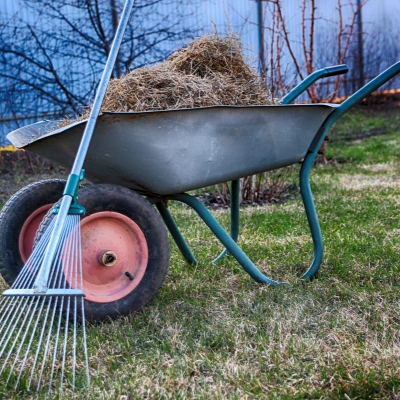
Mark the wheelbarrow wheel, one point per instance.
(125, 251)
(19, 220)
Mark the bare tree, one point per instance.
(329, 46)
(51, 60)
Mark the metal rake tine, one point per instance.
(5, 328)
(42, 334)
(83, 308)
(58, 277)
(3, 302)
(12, 301)
(8, 301)
(71, 271)
(8, 333)
(77, 250)
(74, 346)
(85, 341)
(55, 343)
(46, 348)
(75, 272)
(65, 344)
(16, 338)
(31, 341)
(49, 334)
(62, 283)
(25, 335)
(32, 265)
(47, 345)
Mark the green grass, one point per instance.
(212, 332)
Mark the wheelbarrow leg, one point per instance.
(224, 238)
(175, 233)
(235, 215)
(311, 213)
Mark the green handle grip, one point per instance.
(337, 70)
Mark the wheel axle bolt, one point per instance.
(107, 258)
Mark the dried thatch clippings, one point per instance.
(210, 71)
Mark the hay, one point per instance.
(210, 71)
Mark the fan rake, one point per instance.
(42, 318)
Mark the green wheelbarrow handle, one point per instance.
(304, 85)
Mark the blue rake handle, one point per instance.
(69, 195)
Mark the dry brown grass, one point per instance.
(212, 70)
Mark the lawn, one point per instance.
(212, 332)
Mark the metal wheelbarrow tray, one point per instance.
(168, 152)
(164, 154)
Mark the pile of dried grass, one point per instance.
(211, 70)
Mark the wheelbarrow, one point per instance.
(140, 160)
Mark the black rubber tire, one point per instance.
(13, 216)
(98, 198)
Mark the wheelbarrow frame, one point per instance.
(229, 241)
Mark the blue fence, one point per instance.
(239, 16)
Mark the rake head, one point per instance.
(36, 338)
(42, 331)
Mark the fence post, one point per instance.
(260, 22)
(360, 46)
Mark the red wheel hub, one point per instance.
(114, 256)
(28, 231)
